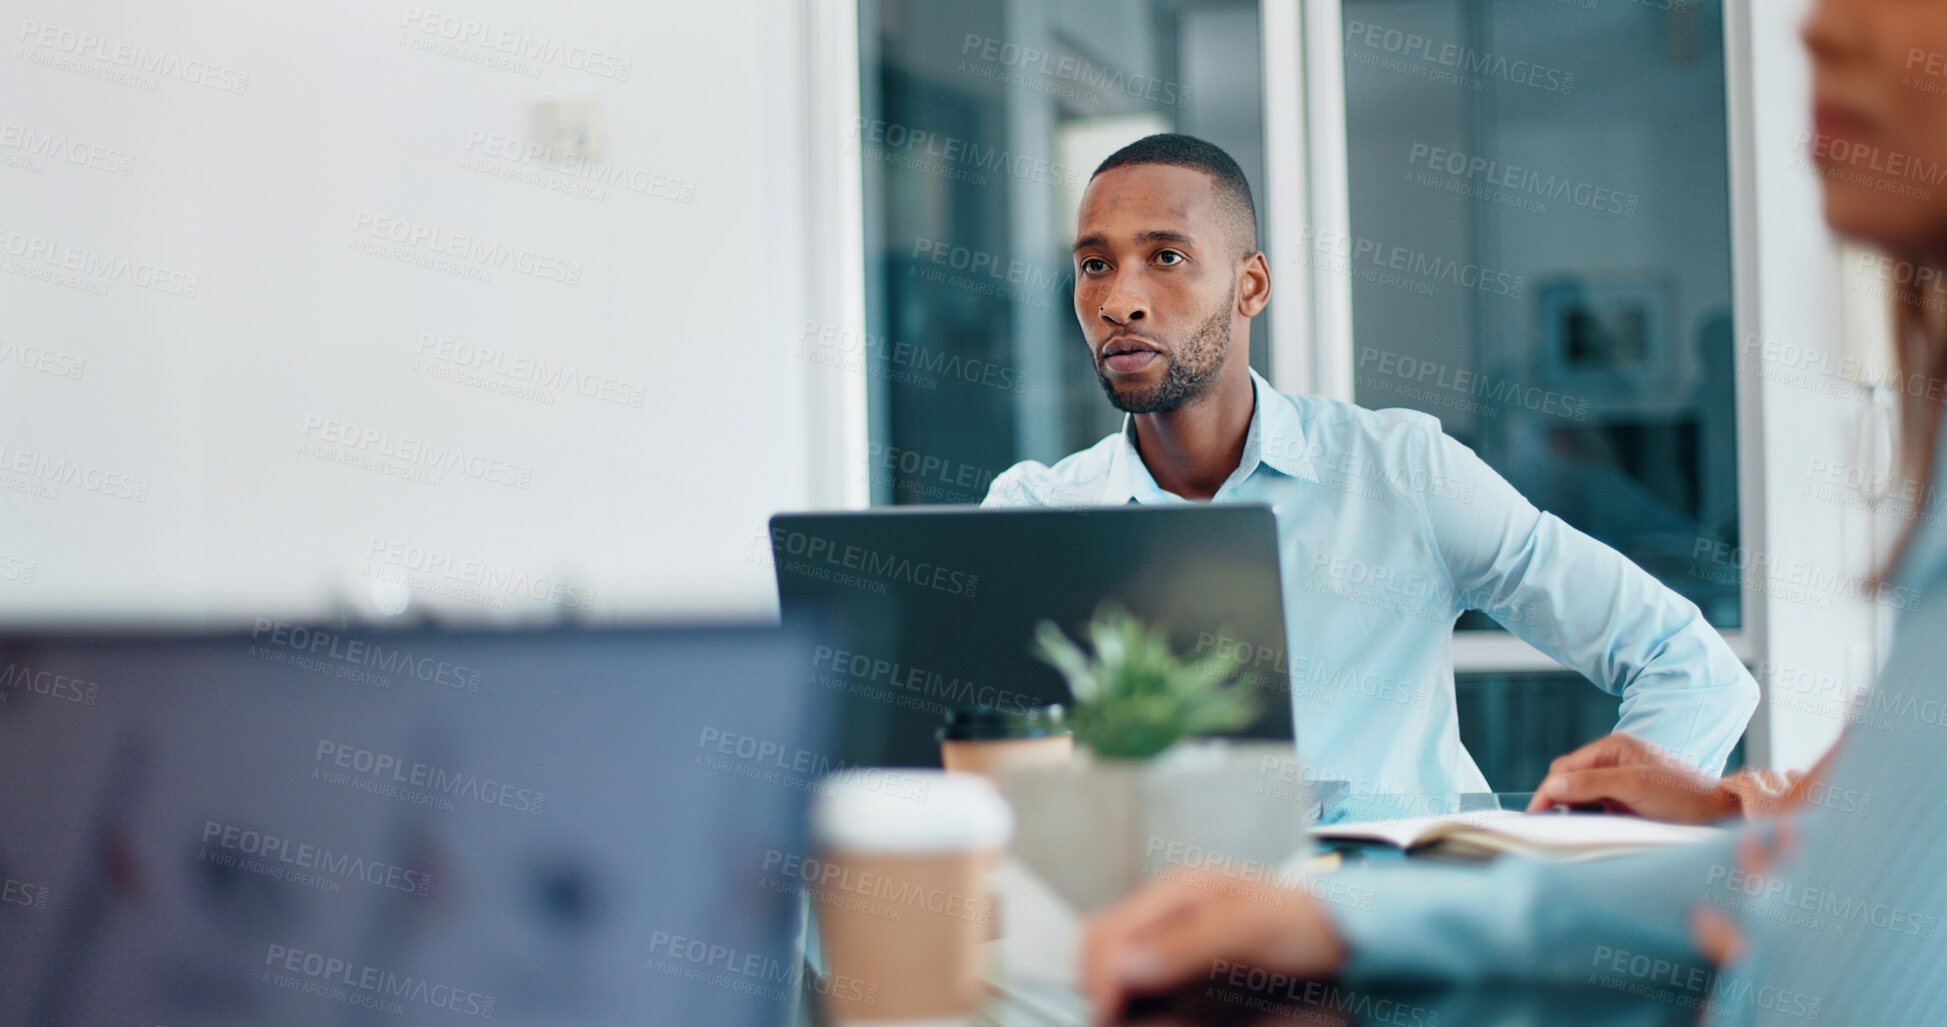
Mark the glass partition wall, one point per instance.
(981, 123)
(1543, 189)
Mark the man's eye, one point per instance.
(1170, 257)
(1094, 265)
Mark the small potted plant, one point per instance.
(1140, 799)
(1134, 698)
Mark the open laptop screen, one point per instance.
(931, 608)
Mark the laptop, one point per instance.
(300, 825)
(926, 609)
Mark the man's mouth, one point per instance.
(1129, 354)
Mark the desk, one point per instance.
(1257, 999)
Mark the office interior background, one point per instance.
(507, 314)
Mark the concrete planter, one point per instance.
(1095, 829)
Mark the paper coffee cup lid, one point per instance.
(901, 809)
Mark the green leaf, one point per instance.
(1054, 648)
(1136, 698)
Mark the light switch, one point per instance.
(570, 129)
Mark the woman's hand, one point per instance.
(1718, 937)
(1628, 775)
(1766, 793)
(1175, 931)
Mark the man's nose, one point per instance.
(1123, 307)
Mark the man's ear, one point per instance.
(1253, 284)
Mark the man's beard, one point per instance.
(1194, 366)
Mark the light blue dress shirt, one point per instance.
(1388, 529)
(1849, 925)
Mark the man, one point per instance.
(1388, 528)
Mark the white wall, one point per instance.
(1815, 647)
(693, 287)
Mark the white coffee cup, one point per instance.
(902, 901)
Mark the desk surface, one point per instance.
(1267, 1001)
(1327, 1003)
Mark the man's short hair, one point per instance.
(1233, 190)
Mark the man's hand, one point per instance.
(1628, 775)
(1172, 932)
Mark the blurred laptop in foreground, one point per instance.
(304, 826)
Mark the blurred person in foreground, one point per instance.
(1827, 914)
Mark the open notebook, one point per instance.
(1486, 833)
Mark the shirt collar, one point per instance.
(1276, 439)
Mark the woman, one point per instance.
(1842, 920)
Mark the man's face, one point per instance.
(1155, 284)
